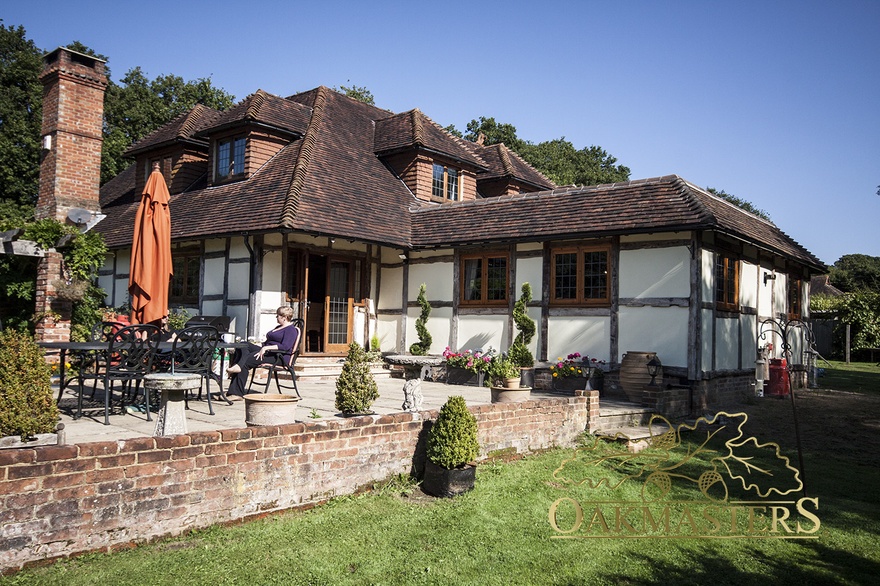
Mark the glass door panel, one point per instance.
(338, 304)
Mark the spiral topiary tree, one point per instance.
(26, 403)
(421, 347)
(356, 389)
(452, 441)
(519, 351)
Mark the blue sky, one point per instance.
(775, 102)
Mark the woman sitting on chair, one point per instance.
(283, 339)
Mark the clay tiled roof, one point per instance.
(503, 162)
(265, 109)
(415, 130)
(329, 181)
(183, 128)
(662, 204)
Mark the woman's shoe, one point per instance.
(235, 398)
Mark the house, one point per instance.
(342, 209)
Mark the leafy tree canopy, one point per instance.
(740, 203)
(361, 94)
(856, 272)
(21, 98)
(558, 158)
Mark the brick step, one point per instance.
(330, 368)
(620, 414)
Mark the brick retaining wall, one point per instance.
(62, 500)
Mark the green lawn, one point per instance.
(500, 532)
(856, 377)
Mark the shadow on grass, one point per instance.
(823, 565)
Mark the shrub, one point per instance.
(26, 403)
(356, 389)
(452, 441)
(502, 368)
(519, 351)
(421, 347)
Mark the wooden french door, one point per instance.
(324, 288)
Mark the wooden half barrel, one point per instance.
(634, 374)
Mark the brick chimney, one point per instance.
(70, 167)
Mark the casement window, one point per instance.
(580, 275)
(726, 282)
(445, 183)
(185, 281)
(794, 297)
(230, 158)
(484, 279)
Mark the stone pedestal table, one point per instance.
(172, 389)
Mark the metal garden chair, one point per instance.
(193, 352)
(280, 364)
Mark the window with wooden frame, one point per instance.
(185, 280)
(726, 282)
(445, 183)
(230, 158)
(580, 275)
(484, 279)
(794, 297)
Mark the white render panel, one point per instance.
(481, 332)
(655, 272)
(237, 249)
(214, 307)
(706, 335)
(272, 272)
(765, 294)
(438, 326)
(726, 350)
(589, 335)
(214, 277)
(655, 329)
(215, 245)
(437, 278)
(748, 284)
(238, 313)
(238, 280)
(391, 287)
(386, 330)
(122, 297)
(749, 340)
(529, 270)
(708, 276)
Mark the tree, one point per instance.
(856, 272)
(558, 158)
(740, 203)
(421, 347)
(361, 94)
(21, 101)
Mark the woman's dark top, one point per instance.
(284, 338)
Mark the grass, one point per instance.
(855, 377)
(500, 534)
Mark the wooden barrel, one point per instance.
(634, 374)
(269, 409)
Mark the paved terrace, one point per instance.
(318, 397)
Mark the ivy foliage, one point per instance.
(452, 441)
(82, 256)
(519, 351)
(421, 347)
(356, 389)
(26, 403)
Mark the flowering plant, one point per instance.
(473, 360)
(575, 365)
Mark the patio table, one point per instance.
(97, 347)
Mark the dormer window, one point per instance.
(445, 184)
(230, 158)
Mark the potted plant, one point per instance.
(568, 374)
(519, 351)
(356, 389)
(467, 367)
(506, 381)
(421, 347)
(451, 449)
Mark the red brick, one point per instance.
(239, 457)
(205, 437)
(58, 481)
(138, 444)
(174, 441)
(188, 452)
(29, 471)
(116, 461)
(235, 434)
(48, 453)
(249, 445)
(19, 486)
(153, 456)
(17, 456)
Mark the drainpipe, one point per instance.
(251, 320)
